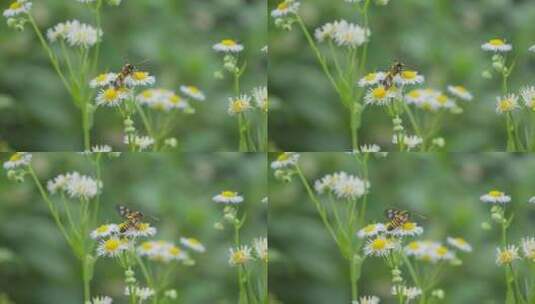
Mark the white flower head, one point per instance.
(532, 48)
(496, 45)
(162, 100)
(411, 141)
(408, 77)
(228, 46)
(285, 160)
(75, 185)
(350, 187)
(112, 247)
(142, 293)
(528, 96)
(112, 97)
(104, 231)
(100, 300)
(407, 229)
(228, 197)
(507, 255)
(371, 230)
(103, 80)
(528, 248)
(139, 78)
(373, 148)
(460, 244)
(17, 7)
(495, 196)
(140, 230)
(371, 79)
(260, 246)
(141, 142)
(506, 103)
(350, 35)
(531, 200)
(240, 255)
(192, 244)
(285, 8)
(161, 251)
(83, 35)
(260, 97)
(380, 246)
(380, 95)
(239, 104)
(193, 92)
(368, 299)
(18, 159)
(460, 92)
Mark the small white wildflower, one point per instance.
(193, 244)
(507, 255)
(496, 45)
(285, 160)
(351, 35)
(104, 231)
(193, 92)
(260, 97)
(531, 200)
(139, 78)
(380, 96)
(368, 299)
(379, 246)
(460, 244)
(103, 80)
(18, 159)
(112, 247)
(239, 104)
(18, 7)
(171, 294)
(411, 141)
(285, 8)
(350, 187)
(228, 197)
(260, 246)
(112, 97)
(528, 95)
(240, 255)
(100, 300)
(141, 230)
(371, 79)
(495, 196)
(141, 142)
(528, 248)
(75, 33)
(142, 293)
(461, 92)
(408, 77)
(371, 230)
(506, 103)
(407, 229)
(532, 48)
(228, 46)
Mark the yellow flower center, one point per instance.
(379, 93)
(442, 251)
(414, 245)
(379, 244)
(175, 99)
(239, 257)
(496, 42)
(369, 228)
(506, 257)
(228, 42)
(239, 105)
(174, 251)
(282, 6)
(16, 157)
(147, 93)
(495, 193)
(194, 242)
(140, 75)
(409, 74)
(193, 89)
(506, 105)
(283, 156)
(143, 227)
(228, 194)
(370, 77)
(442, 99)
(460, 242)
(147, 245)
(409, 226)
(102, 229)
(112, 245)
(110, 94)
(15, 5)
(415, 94)
(461, 89)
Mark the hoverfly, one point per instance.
(132, 218)
(397, 218)
(394, 70)
(127, 70)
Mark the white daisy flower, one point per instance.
(240, 255)
(141, 142)
(379, 246)
(531, 200)
(18, 7)
(193, 92)
(532, 48)
(411, 141)
(83, 36)
(407, 229)
(104, 231)
(370, 148)
(82, 186)
(325, 31)
(18, 159)
(528, 248)
(496, 45)
(177, 254)
(408, 77)
(148, 248)
(350, 187)
(260, 246)
(228, 45)
(379, 96)
(367, 299)
(441, 253)
(285, 8)
(371, 79)
(350, 35)
(101, 149)
(507, 255)
(112, 247)
(285, 160)
(141, 230)
(162, 100)
(101, 300)
(142, 293)
(260, 97)
(112, 97)
(460, 92)
(139, 78)
(506, 103)
(528, 95)
(460, 244)
(328, 182)
(494, 197)
(193, 244)
(228, 197)
(371, 230)
(103, 80)
(416, 248)
(239, 104)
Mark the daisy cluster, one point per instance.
(510, 253)
(510, 102)
(111, 95)
(75, 185)
(342, 185)
(343, 33)
(75, 33)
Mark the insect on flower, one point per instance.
(394, 70)
(127, 70)
(133, 219)
(397, 218)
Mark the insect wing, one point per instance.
(123, 211)
(391, 213)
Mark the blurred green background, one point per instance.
(445, 188)
(176, 189)
(174, 36)
(439, 38)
